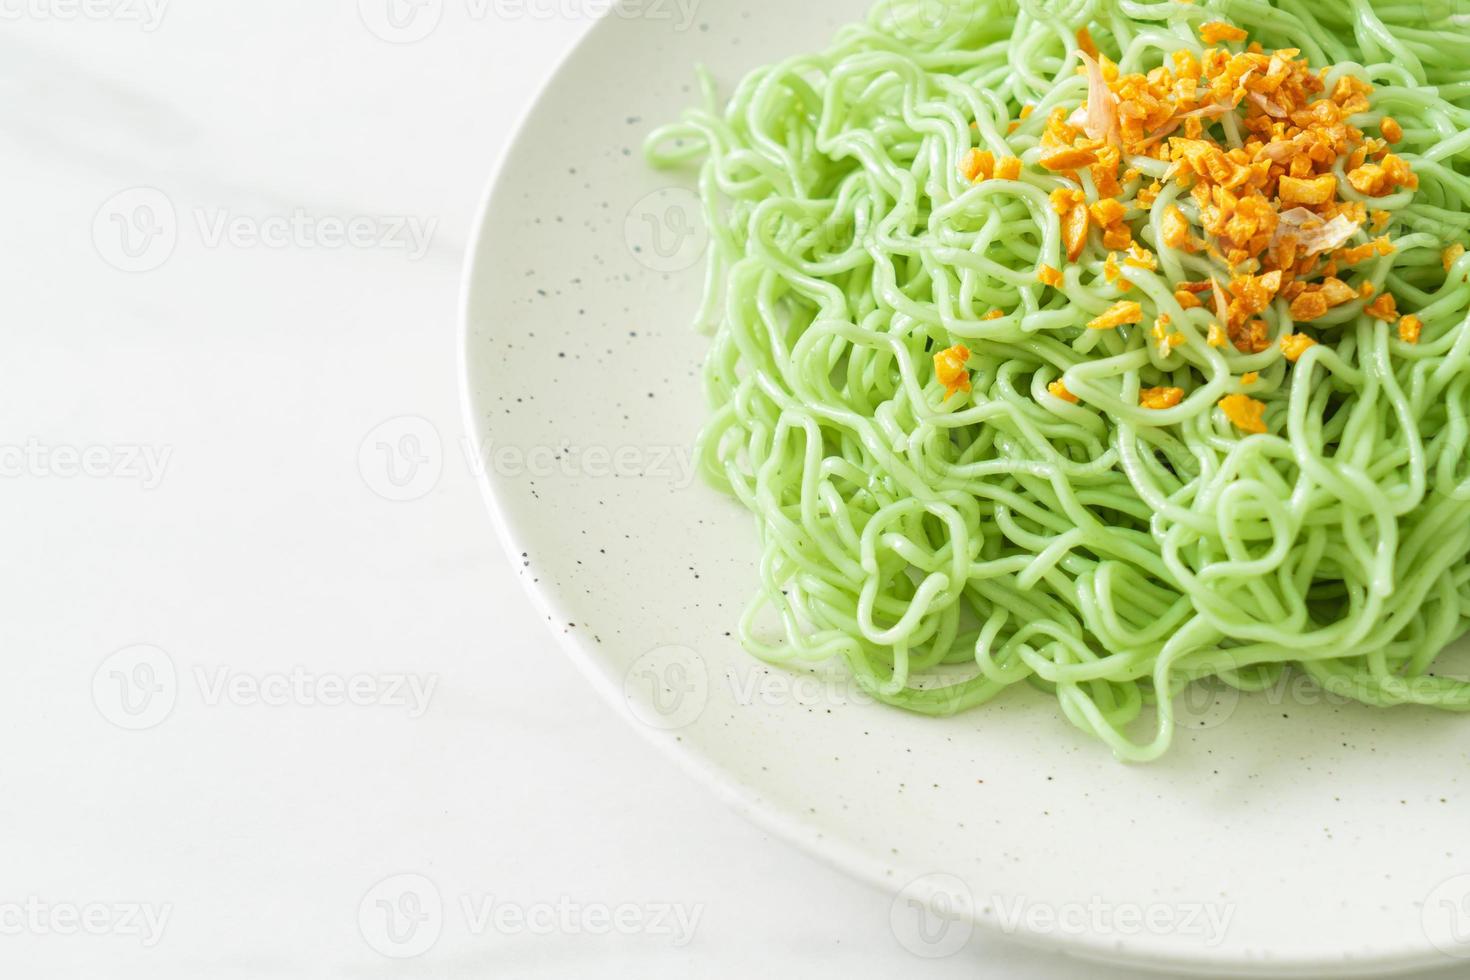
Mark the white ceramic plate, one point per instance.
(1301, 835)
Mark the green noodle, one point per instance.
(948, 549)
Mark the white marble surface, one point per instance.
(208, 553)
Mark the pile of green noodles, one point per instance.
(1107, 554)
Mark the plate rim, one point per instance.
(848, 859)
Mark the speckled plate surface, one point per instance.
(1285, 834)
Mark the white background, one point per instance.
(237, 521)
